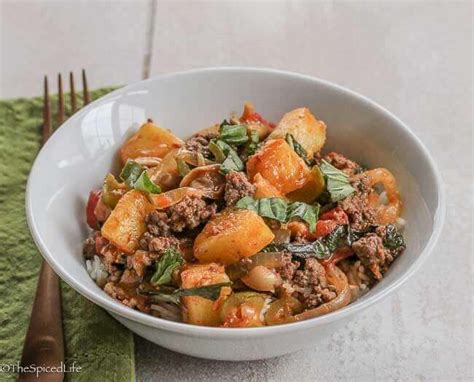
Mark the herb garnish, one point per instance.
(337, 183)
(298, 149)
(321, 248)
(279, 209)
(233, 134)
(136, 177)
(211, 292)
(165, 266)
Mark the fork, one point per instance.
(44, 342)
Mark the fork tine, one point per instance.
(84, 88)
(73, 92)
(46, 112)
(60, 100)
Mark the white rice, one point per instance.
(167, 311)
(97, 271)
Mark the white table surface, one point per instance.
(415, 58)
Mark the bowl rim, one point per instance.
(118, 308)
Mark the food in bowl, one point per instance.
(244, 224)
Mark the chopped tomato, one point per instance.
(94, 197)
(337, 215)
(338, 255)
(255, 117)
(250, 115)
(100, 243)
(328, 222)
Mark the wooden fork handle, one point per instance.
(44, 344)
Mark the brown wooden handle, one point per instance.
(44, 344)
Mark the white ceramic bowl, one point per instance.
(78, 155)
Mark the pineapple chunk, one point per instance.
(149, 141)
(232, 235)
(126, 223)
(305, 128)
(198, 310)
(278, 163)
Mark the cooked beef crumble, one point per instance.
(309, 285)
(288, 268)
(199, 143)
(237, 185)
(88, 247)
(342, 163)
(372, 253)
(356, 205)
(158, 244)
(189, 213)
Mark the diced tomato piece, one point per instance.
(324, 228)
(256, 117)
(338, 255)
(100, 243)
(94, 198)
(337, 215)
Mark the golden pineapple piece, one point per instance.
(232, 235)
(126, 223)
(309, 132)
(149, 141)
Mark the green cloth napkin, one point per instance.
(94, 340)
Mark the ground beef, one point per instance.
(88, 247)
(139, 261)
(372, 253)
(356, 205)
(342, 163)
(127, 298)
(157, 223)
(237, 186)
(157, 244)
(199, 143)
(288, 267)
(309, 285)
(189, 213)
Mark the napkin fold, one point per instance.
(102, 347)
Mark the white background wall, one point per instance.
(414, 57)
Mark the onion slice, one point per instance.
(167, 199)
(207, 179)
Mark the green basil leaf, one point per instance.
(319, 249)
(336, 238)
(247, 203)
(297, 148)
(131, 172)
(253, 142)
(219, 149)
(337, 183)
(183, 167)
(144, 183)
(231, 163)
(233, 134)
(210, 292)
(137, 178)
(393, 239)
(165, 266)
(279, 209)
(305, 212)
(273, 208)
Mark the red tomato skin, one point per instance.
(94, 197)
(336, 214)
(255, 117)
